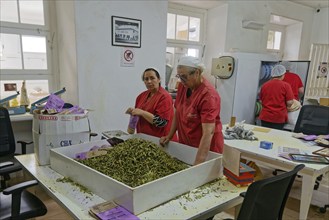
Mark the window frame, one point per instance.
(190, 12)
(186, 44)
(31, 30)
(279, 28)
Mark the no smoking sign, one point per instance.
(128, 57)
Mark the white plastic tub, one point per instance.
(146, 196)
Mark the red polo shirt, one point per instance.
(274, 94)
(160, 104)
(294, 81)
(203, 106)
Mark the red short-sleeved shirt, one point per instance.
(294, 81)
(274, 94)
(203, 106)
(160, 104)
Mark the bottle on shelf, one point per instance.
(25, 101)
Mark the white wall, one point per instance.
(241, 39)
(66, 39)
(90, 65)
(225, 32)
(320, 33)
(246, 40)
(103, 85)
(238, 39)
(292, 41)
(216, 35)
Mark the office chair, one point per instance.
(8, 147)
(18, 203)
(313, 119)
(266, 199)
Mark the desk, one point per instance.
(219, 196)
(21, 117)
(250, 150)
(22, 128)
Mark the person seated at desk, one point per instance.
(276, 96)
(154, 107)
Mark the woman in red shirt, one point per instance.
(154, 107)
(275, 95)
(197, 106)
(293, 80)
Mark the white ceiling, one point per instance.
(215, 3)
(313, 4)
(199, 3)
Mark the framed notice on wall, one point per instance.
(322, 70)
(126, 32)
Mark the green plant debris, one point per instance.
(68, 180)
(135, 162)
(200, 192)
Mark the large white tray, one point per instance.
(146, 196)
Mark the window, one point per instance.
(181, 27)
(25, 44)
(284, 36)
(274, 40)
(184, 35)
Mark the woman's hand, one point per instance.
(164, 140)
(129, 110)
(137, 111)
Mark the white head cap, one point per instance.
(278, 70)
(191, 62)
(286, 64)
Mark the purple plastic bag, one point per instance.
(133, 121)
(310, 137)
(76, 110)
(81, 156)
(117, 213)
(54, 102)
(94, 148)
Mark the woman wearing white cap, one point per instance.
(276, 96)
(197, 104)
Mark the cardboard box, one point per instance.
(324, 101)
(53, 131)
(146, 196)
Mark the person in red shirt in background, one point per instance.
(197, 104)
(154, 107)
(276, 96)
(293, 80)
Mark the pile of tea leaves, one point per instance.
(135, 162)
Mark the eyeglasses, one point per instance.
(184, 77)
